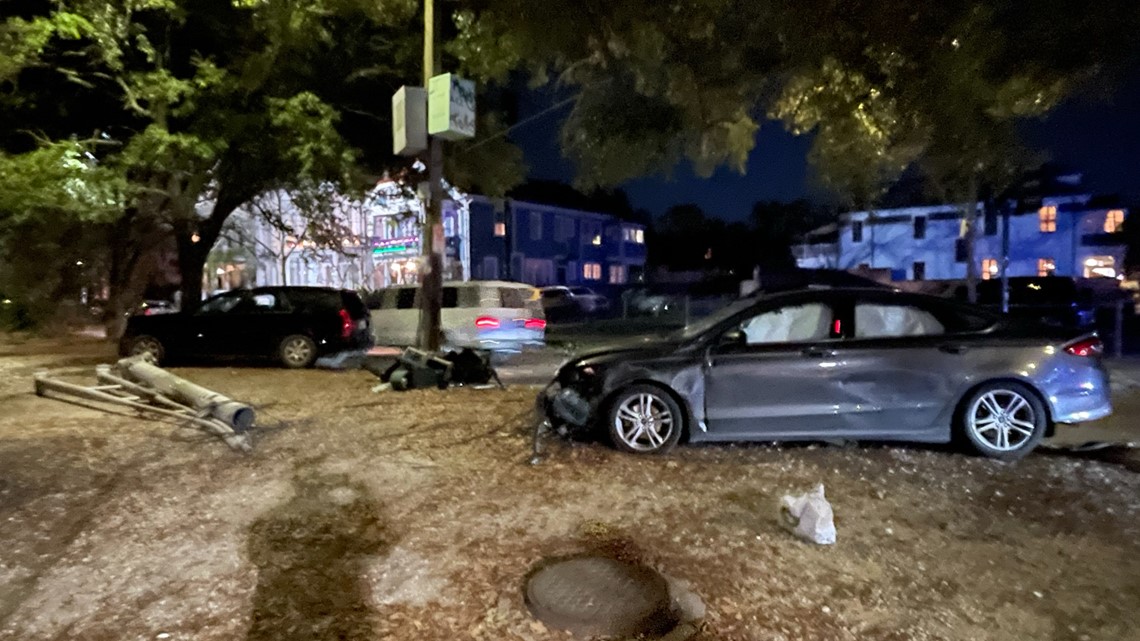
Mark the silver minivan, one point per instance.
(494, 315)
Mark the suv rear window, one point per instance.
(313, 300)
(353, 304)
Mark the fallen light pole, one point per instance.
(238, 416)
(147, 388)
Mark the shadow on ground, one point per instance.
(309, 554)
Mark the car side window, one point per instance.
(450, 298)
(220, 304)
(789, 324)
(264, 303)
(874, 320)
(406, 298)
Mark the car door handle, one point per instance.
(952, 349)
(818, 352)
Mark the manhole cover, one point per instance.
(591, 595)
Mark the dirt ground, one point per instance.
(415, 516)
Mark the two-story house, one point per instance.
(1066, 234)
(548, 245)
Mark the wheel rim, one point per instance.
(297, 351)
(644, 422)
(148, 347)
(1002, 420)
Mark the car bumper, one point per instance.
(565, 406)
(1083, 398)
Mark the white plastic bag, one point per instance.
(809, 516)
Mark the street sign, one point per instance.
(451, 107)
(409, 126)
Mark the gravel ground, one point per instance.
(414, 516)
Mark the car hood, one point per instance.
(626, 349)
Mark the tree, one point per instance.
(216, 101)
(881, 85)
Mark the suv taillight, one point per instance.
(345, 324)
(1085, 347)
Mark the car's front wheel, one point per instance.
(148, 346)
(297, 352)
(1003, 420)
(644, 419)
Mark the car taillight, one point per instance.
(1085, 347)
(534, 323)
(345, 324)
(487, 322)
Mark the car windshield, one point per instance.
(695, 329)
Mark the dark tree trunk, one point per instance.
(192, 253)
(122, 296)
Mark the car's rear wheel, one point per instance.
(644, 419)
(297, 352)
(1003, 420)
(148, 346)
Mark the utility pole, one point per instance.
(431, 237)
(1005, 258)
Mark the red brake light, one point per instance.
(345, 324)
(1085, 347)
(487, 322)
(534, 323)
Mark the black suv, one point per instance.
(1053, 300)
(293, 325)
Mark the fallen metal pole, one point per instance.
(238, 416)
(46, 382)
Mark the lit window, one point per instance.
(1047, 219)
(634, 235)
(1046, 266)
(617, 274)
(989, 268)
(597, 240)
(500, 229)
(1100, 267)
(1112, 220)
(592, 271)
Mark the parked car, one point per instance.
(495, 315)
(561, 302)
(1053, 300)
(851, 364)
(294, 325)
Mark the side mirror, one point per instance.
(734, 336)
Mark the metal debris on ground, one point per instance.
(809, 516)
(139, 384)
(418, 369)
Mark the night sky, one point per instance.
(1099, 137)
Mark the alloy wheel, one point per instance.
(644, 422)
(148, 347)
(297, 351)
(1002, 420)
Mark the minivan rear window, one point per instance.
(513, 297)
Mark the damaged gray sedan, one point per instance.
(847, 364)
